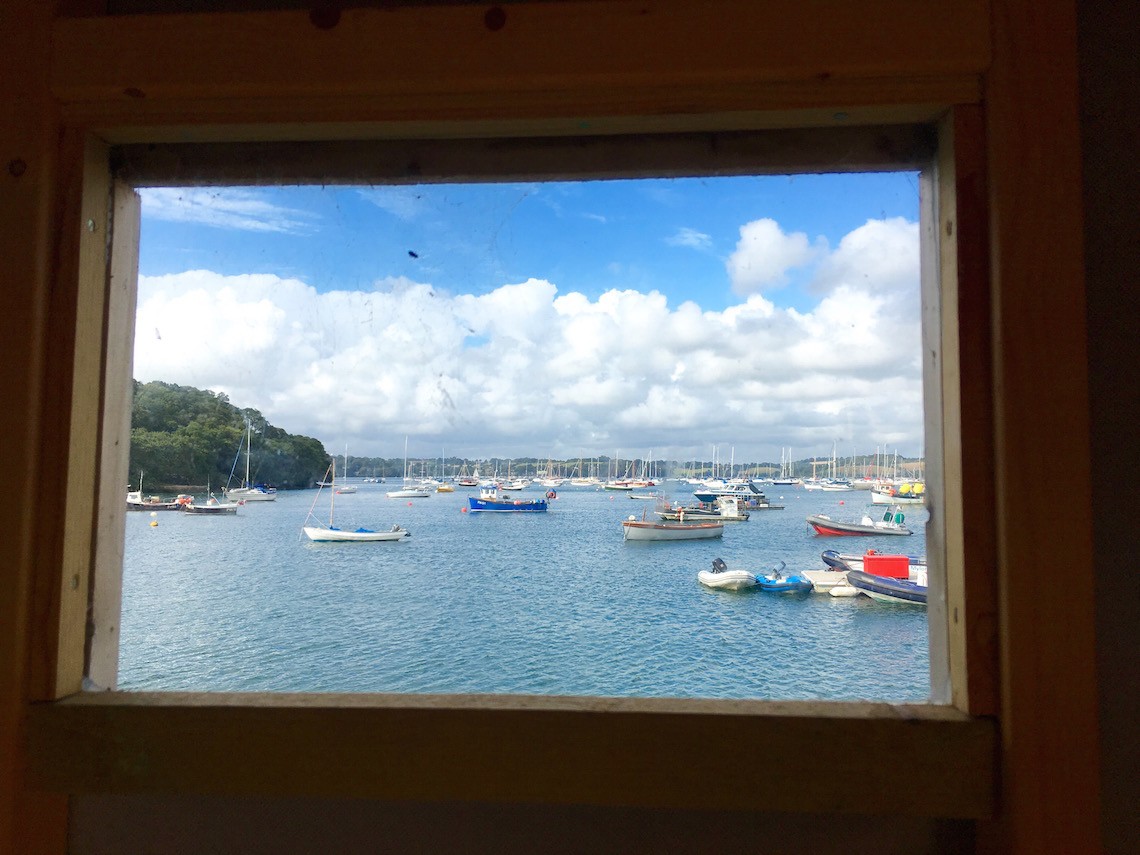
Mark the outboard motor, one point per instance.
(719, 566)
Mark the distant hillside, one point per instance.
(182, 436)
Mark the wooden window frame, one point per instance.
(572, 68)
(484, 748)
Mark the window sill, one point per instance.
(914, 760)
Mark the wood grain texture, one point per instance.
(542, 47)
(115, 438)
(566, 68)
(854, 149)
(87, 228)
(938, 429)
(1050, 776)
(631, 752)
(967, 494)
(646, 109)
(200, 87)
(31, 822)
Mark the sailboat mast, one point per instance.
(332, 490)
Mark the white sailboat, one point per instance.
(407, 491)
(329, 533)
(248, 492)
(346, 487)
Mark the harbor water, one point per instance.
(546, 604)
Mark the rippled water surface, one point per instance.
(550, 603)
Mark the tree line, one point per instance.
(184, 437)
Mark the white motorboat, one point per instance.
(408, 493)
(726, 509)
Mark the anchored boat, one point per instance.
(890, 590)
(322, 533)
(723, 578)
(634, 529)
(891, 523)
(777, 581)
(489, 499)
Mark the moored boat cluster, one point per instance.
(885, 578)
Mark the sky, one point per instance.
(673, 318)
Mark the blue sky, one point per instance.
(319, 286)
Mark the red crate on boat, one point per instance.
(891, 566)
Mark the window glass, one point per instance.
(610, 354)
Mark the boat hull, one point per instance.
(834, 528)
(727, 580)
(878, 498)
(408, 494)
(154, 506)
(849, 561)
(634, 530)
(210, 510)
(336, 535)
(825, 580)
(251, 494)
(796, 584)
(506, 506)
(888, 590)
(748, 492)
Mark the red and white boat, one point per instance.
(891, 523)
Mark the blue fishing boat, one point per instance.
(777, 581)
(889, 590)
(490, 500)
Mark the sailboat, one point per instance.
(346, 487)
(329, 533)
(407, 491)
(249, 492)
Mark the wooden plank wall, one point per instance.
(1048, 648)
(30, 822)
(226, 76)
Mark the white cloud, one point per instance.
(764, 255)
(881, 257)
(524, 369)
(405, 203)
(226, 208)
(686, 236)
